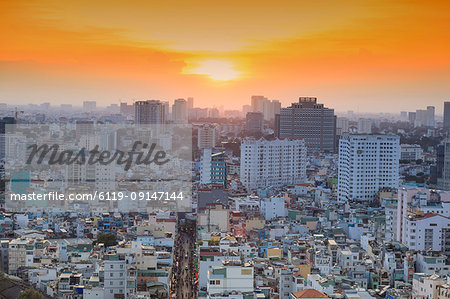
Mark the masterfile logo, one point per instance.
(99, 167)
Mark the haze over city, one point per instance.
(366, 56)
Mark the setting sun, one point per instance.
(219, 70)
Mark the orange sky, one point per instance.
(359, 55)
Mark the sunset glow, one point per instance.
(219, 70)
(362, 54)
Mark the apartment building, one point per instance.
(272, 162)
(367, 163)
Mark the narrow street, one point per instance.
(184, 283)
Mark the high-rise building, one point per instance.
(276, 108)
(89, 106)
(404, 116)
(3, 130)
(180, 111)
(258, 103)
(268, 108)
(441, 175)
(425, 118)
(206, 136)
(166, 106)
(190, 103)
(149, 112)
(412, 117)
(272, 162)
(213, 168)
(126, 109)
(254, 122)
(364, 126)
(430, 121)
(367, 163)
(310, 121)
(246, 109)
(446, 115)
(342, 125)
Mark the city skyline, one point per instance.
(356, 56)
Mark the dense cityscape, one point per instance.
(287, 202)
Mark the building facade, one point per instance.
(213, 168)
(150, 112)
(310, 121)
(367, 163)
(180, 111)
(410, 152)
(254, 122)
(272, 162)
(206, 137)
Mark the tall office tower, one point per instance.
(254, 122)
(421, 116)
(364, 126)
(446, 115)
(213, 168)
(310, 121)
(276, 108)
(403, 116)
(89, 106)
(206, 136)
(246, 109)
(430, 122)
(366, 164)
(166, 106)
(412, 117)
(180, 111)
(425, 118)
(190, 103)
(258, 103)
(149, 112)
(272, 162)
(266, 107)
(441, 177)
(342, 125)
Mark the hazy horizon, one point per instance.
(366, 56)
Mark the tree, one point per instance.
(108, 239)
(30, 293)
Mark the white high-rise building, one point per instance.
(206, 136)
(366, 164)
(272, 162)
(180, 111)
